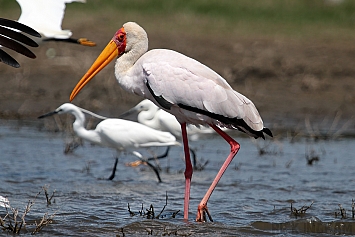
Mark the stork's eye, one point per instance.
(120, 37)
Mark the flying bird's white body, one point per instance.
(45, 16)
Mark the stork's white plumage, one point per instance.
(189, 90)
(46, 17)
(119, 134)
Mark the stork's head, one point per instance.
(131, 38)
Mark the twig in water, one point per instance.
(301, 211)
(342, 212)
(130, 212)
(123, 234)
(49, 199)
(72, 145)
(44, 221)
(175, 213)
(166, 203)
(311, 156)
(11, 223)
(265, 148)
(141, 212)
(149, 213)
(197, 165)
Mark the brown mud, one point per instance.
(288, 80)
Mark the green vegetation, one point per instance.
(300, 18)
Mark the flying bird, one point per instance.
(119, 134)
(10, 38)
(184, 87)
(46, 17)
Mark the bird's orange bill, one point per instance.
(86, 42)
(109, 53)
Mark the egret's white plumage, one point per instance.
(184, 87)
(152, 116)
(46, 17)
(122, 135)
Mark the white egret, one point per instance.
(152, 116)
(46, 16)
(122, 135)
(189, 90)
(10, 38)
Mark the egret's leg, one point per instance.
(154, 169)
(202, 207)
(139, 162)
(112, 176)
(188, 171)
(194, 160)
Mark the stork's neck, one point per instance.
(129, 58)
(125, 70)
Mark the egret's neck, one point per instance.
(148, 113)
(79, 120)
(79, 128)
(147, 117)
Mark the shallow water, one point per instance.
(252, 198)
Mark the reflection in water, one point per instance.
(253, 197)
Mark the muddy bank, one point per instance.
(287, 80)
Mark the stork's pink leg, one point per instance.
(202, 207)
(188, 171)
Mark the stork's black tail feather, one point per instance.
(240, 124)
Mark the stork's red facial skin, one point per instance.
(115, 48)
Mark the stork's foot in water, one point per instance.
(202, 210)
(112, 176)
